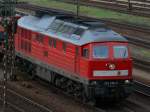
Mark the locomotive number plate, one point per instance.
(111, 73)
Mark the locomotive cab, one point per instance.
(110, 66)
(111, 60)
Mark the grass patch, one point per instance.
(94, 12)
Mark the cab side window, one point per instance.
(85, 53)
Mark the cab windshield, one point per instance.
(100, 52)
(120, 51)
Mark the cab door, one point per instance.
(85, 61)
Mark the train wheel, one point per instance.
(58, 82)
(84, 97)
(78, 91)
(70, 87)
(63, 82)
(32, 75)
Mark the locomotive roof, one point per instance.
(70, 30)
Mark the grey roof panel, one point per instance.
(83, 36)
(44, 22)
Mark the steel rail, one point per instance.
(145, 65)
(122, 8)
(52, 87)
(27, 100)
(142, 88)
(96, 109)
(138, 41)
(13, 106)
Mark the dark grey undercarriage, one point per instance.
(98, 90)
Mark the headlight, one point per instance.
(112, 66)
(127, 81)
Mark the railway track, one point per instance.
(21, 103)
(126, 106)
(142, 64)
(138, 42)
(134, 7)
(65, 94)
(11, 107)
(142, 88)
(24, 104)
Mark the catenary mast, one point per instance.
(8, 22)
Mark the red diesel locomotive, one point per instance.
(84, 58)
